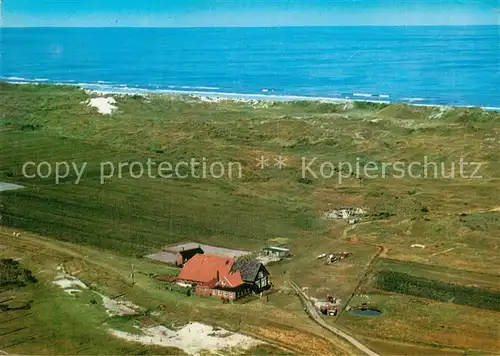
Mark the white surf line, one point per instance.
(221, 95)
(440, 252)
(277, 98)
(241, 96)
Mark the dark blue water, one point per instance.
(366, 311)
(433, 65)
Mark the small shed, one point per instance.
(277, 251)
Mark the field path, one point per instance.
(85, 253)
(382, 252)
(441, 252)
(314, 314)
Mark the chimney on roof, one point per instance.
(217, 275)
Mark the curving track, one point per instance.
(314, 314)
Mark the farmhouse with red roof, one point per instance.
(221, 277)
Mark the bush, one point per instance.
(29, 127)
(383, 215)
(470, 115)
(28, 276)
(329, 108)
(11, 274)
(376, 193)
(398, 282)
(489, 221)
(303, 180)
(369, 105)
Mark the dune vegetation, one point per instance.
(447, 201)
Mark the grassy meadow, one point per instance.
(59, 323)
(457, 219)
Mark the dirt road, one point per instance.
(382, 251)
(314, 314)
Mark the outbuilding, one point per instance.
(277, 251)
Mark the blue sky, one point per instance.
(182, 13)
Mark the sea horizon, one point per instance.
(275, 26)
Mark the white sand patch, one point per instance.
(73, 286)
(417, 246)
(115, 307)
(192, 338)
(104, 106)
(352, 215)
(222, 99)
(9, 186)
(184, 285)
(439, 114)
(68, 282)
(210, 99)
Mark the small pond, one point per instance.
(366, 311)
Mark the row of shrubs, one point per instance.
(403, 283)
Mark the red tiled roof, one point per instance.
(204, 268)
(232, 280)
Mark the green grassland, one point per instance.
(456, 219)
(412, 310)
(461, 329)
(59, 323)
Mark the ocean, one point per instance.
(422, 65)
